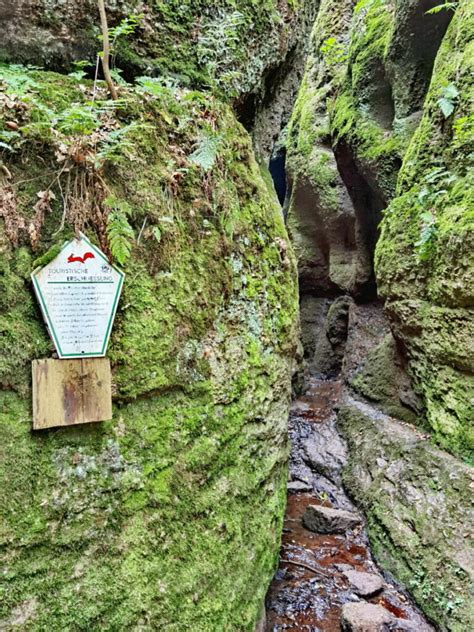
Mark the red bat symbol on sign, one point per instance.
(87, 255)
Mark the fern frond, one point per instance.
(206, 151)
(119, 231)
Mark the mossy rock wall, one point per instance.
(225, 45)
(169, 516)
(355, 114)
(418, 504)
(424, 256)
(369, 141)
(380, 149)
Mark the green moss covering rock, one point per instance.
(384, 118)
(383, 128)
(321, 214)
(354, 117)
(223, 44)
(169, 516)
(382, 379)
(424, 257)
(418, 504)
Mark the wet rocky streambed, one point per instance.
(327, 579)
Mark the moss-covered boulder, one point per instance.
(169, 516)
(424, 257)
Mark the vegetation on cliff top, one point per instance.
(220, 45)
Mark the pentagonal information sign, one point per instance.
(78, 292)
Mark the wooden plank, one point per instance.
(70, 392)
(96, 389)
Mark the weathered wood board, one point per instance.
(70, 392)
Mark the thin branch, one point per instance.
(65, 208)
(48, 173)
(106, 49)
(309, 568)
(95, 77)
(142, 229)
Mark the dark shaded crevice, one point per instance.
(245, 109)
(313, 271)
(248, 107)
(277, 168)
(368, 206)
(275, 76)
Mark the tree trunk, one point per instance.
(106, 49)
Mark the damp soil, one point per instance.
(310, 588)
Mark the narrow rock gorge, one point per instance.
(379, 208)
(288, 187)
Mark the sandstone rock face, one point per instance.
(360, 117)
(374, 366)
(424, 257)
(220, 45)
(418, 504)
(324, 329)
(368, 138)
(169, 516)
(355, 114)
(380, 159)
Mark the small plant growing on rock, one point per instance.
(448, 99)
(219, 50)
(119, 231)
(424, 246)
(206, 151)
(447, 6)
(334, 52)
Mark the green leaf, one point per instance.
(447, 6)
(427, 218)
(450, 92)
(156, 232)
(78, 119)
(446, 106)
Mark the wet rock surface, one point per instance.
(322, 519)
(366, 617)
(365, 584)
(321, 576)
(325, 452)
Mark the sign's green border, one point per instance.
(48, 320)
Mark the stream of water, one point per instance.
(310, 587)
